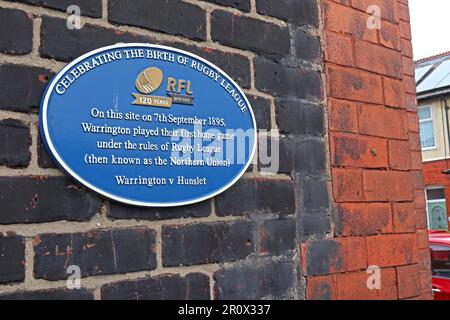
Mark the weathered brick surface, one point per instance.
(206, 243)
(277, 237)
(255, 280)
(91, 8)
(297, 117)
(12, 259)
(194, 286)
(197, 210)
(250, 34)
(296, 12)
(41, 199)
(22, 87)
(287, 81)
(174, 17)
(96, 252)
(50, 294)
(60, 43)
(243, 5)
(16, 141)
(16, 31)
(253, 196)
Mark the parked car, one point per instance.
(440, 263)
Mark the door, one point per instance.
(437, 212)
(436, 208)
(440, 270)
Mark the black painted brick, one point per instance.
(60, 43)
(91, 8)
(12, 259)
(250, 34)
(16, 31)
(284, 81)
(299, 12)
(97, 252)
(307, 47)
(235, 65)
(243, 5)
(315, 195)
(298, 117)
(50, 294)
(261, 109)
(313, 223)
(173, 17)
(256, 281)
(22, 87)
(257, 196)
(194, 286)
(322, 257)
(198, 210)
(277, 237)
(44, 199)
(206, 243)
(16, 141)
(44, 159)
(299, 155)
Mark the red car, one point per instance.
(440, 263)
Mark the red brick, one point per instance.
(387, 186)
(403, 12)
(382, 122)
(418, 179)
(354, 84)
(353, 286)
(358, 151)
(409, 84)
(388, 8)
(347, 185)
(321, 288)
(416, 160)
(342, 116)
(424, 259)
(389, 35)
(354, 252)
(419, 198)
(405, 30)
(392, 250)
(414, 141)
(342, 19)
(413, 122)
(408, 278)
(394, 93)
(411, 102)
(422, 239)
(425, 280)
(399, 155)
(404, 216)
(358, 219)
(408, 66)
(421, 218)
(407, 49)
(338, 48)
(378, 59)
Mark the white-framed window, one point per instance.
(426, 128)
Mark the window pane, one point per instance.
(424, 113)
(440, 261)
(426, 134)
(435, 194)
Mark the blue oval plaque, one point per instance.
(148, 125)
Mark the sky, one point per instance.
(430, 26)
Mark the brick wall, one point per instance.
(375, 159)
(347, 194)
